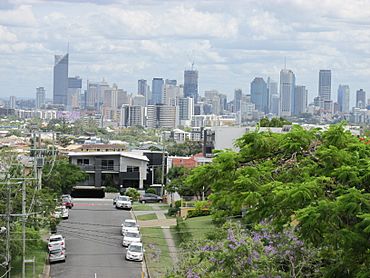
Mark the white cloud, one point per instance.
(21, 16)
(6, 35)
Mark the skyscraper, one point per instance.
(162, 116)
(12, 102)
(60, 85)
(191, 84)
(272, 89)
(325, 84)
(142, 89)
(186, 110)
(237, 99)
(157, 90)
(74, 92)
(361, 99)
(259, 94)
(300, 100)
(343, 98)
(287, 84)
(40, 97)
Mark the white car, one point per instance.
(57, 255)
(135, 252)
(61, 212)
(56, 242)
(123, 202)
(129, 225)
(130, 237)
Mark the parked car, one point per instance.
(56, 242)
(67, 201)
(57, 255)
(135, 252)
(150, 198)
(123, 202)
(65, 213)
(130, 237)
(129, 225)
(61, 212)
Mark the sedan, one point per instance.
(131, 237)
(129, 225)
(123, 202)
(57, 255)
(150, 198)
(135, 252)
(56, 242)
(67, 201)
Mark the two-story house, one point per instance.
(111, 168)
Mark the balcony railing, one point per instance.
(109, 168)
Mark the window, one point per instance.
(81, 161)
(107, 164)
(132, 168)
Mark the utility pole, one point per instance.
(162, 176)
(24, 216)
(8, 229)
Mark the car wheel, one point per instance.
(160, 201)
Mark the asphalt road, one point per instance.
(94, 242)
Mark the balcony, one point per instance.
(93, 168)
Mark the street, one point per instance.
(94, 242)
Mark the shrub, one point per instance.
(151, 190)
(196, 213)
(111, 189)
(178, 204)
(133, 193)
(182, 230)
(173, 211)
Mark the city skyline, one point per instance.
(229, 47)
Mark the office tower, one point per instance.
(259, 94)
(361, 99)
(171, 82)
(275, 105)
(343, 98)
(138, 100)
(143, 89)
(237, 99)
(171, 93)
(40, 97)
(223, 103)
(159, 116)
(74, 92)
(287, 84)
(191, 84)
(131, 115)
(114, 98)
(186, 110)
(157, 91)
(12, 102)
(94, 95)
(213, 98)
(300, 100)
(60, 85)
(325, 84)
(272, 89)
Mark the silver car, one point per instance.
(57, 255)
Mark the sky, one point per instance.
(229, 41)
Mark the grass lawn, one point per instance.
(40, 257)
(142, 207)
(157, 255)
(163, 206)
(150, 216)
(197, 228)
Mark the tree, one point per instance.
(316, 180)
(62, 176)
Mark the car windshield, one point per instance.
(123, 198)
(135, 235)
(56, 251)
(130, 224)
(134, 248)
(55, 239)
(66, 199)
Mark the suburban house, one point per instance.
(118, 169)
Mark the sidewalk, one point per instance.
(165, 224)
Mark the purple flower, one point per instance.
(191, 274)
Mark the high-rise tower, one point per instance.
(60, 85)
(287, 85)
(191, 84)
(343, 98)
(325, 84)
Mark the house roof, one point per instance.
(124, 154)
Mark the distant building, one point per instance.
(186, 110)
(142, 89)
(171, 93)
(325, 84)
(157, 91)
(191, 84)
(132, 115)
(300, 100)
(343, 98)
(172, 82)
(237, 99)
(12, 102)
(40, 97)
(272, 88)
(259, 95)
(159, 116)
(74, 92)
(361, 99)
(60, 84)
(139, 100)
(287, 85)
